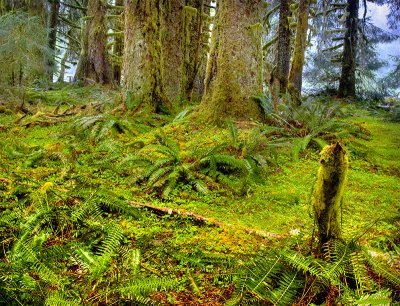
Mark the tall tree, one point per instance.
(236, 59)
(283, 48)
(347, 84)
(94, 66)
(296, 70)
(195, 35)
(142, 54)
(53, 23)
(170, 22)
(118, 45)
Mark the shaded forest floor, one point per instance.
(72, 143)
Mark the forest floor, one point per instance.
(76, 139)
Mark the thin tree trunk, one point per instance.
(283, 48)
(195, 37)
(236, 75)
(118, 48)
(63, 64)
(328, 192)
(347, 84)
(81, 68)
(142, 55)
(53, 23)
(296, 71)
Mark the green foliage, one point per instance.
(96, 260)
(22, 58)
(289, 277)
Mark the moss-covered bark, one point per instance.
(296, 70)
(328, 192)
(234, 72)
(142, 54)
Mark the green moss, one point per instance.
(328, 192)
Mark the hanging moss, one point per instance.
(328, 192)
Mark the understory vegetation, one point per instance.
(108, 205)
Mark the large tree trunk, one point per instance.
(142, 55)
(235, 65)
(296, 71)
(347, 85)
(171, 47)
(98, 64)
(328, 192)
(53, 23)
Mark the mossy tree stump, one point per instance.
(328, 192)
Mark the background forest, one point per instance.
(198, 152)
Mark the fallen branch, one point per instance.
(162, 211)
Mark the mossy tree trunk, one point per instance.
(234, 72)
(328, 192)
(142, 61)
(347, 84)
(296, 70)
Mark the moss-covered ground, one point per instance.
(43, 149)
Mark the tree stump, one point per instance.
(328, 192)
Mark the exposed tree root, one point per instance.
(162, 211)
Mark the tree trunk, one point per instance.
(53, 23)
(171, 48)
(283, 48)
(235, 65)
(118, 47)
(296, 71)
(142, 55)
(81, 69)
(94, 66)
(347, 85)
(328, 192)
(195, 37)
(63, 64)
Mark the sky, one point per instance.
(378, 15)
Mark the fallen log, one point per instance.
(162, 211)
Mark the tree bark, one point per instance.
(328, 192)
(234, 72)
(296, 71)
(347, 84)
(142, 55)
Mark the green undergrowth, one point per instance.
(72, 158)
